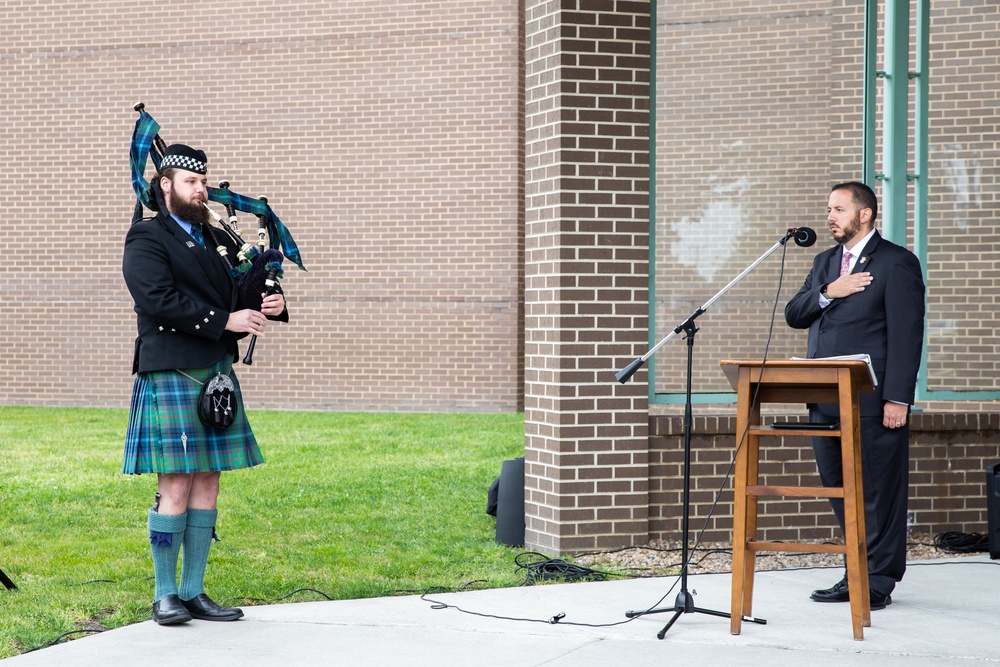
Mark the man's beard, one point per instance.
(196, 214)
(851, 230)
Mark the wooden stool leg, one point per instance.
(855, 551)
(745, 414)
(862, 537)
(739, 555)
(750, 560)
(739, 540)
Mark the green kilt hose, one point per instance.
(165, 435)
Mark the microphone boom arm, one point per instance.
(626, 373)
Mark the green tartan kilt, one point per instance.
(165, 435)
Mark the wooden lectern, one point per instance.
(797, 381)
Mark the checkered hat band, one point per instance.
(184, 162)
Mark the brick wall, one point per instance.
(388, 136)
(587, 82)
(949, 457)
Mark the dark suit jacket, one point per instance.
(183, 296)
(885, 321)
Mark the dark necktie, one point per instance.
(197, 235)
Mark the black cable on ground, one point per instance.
(962, 543)
(65, 635)
(304, 590)
(60, 638)
(551, 569)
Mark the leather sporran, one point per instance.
(217, 402)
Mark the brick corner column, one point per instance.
(587, 68)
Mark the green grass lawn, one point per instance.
(352, 505)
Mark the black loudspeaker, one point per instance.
(510, 503)
(993, 508)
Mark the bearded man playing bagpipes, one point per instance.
(187, 423)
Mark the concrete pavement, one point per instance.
(945, 612)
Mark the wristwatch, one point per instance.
(823, 293)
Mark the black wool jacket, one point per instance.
(183, 294)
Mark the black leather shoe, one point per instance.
(840, 593)
(836, 593)
(878, 600)
(203, 608)
(169, 610)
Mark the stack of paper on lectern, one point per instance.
(848, 357)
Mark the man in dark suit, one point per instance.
(189, 320)
(866, 296)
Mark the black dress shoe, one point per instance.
(836, 593)
(169, 610)
(878, 600)
(840, 593)
(202, 607)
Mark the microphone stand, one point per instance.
(684, 603)
(804, 237)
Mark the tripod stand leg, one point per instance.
(710, 612)
(5, 580)
(662, 633)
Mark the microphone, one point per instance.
(804, 236)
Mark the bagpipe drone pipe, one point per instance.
(256, 268)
